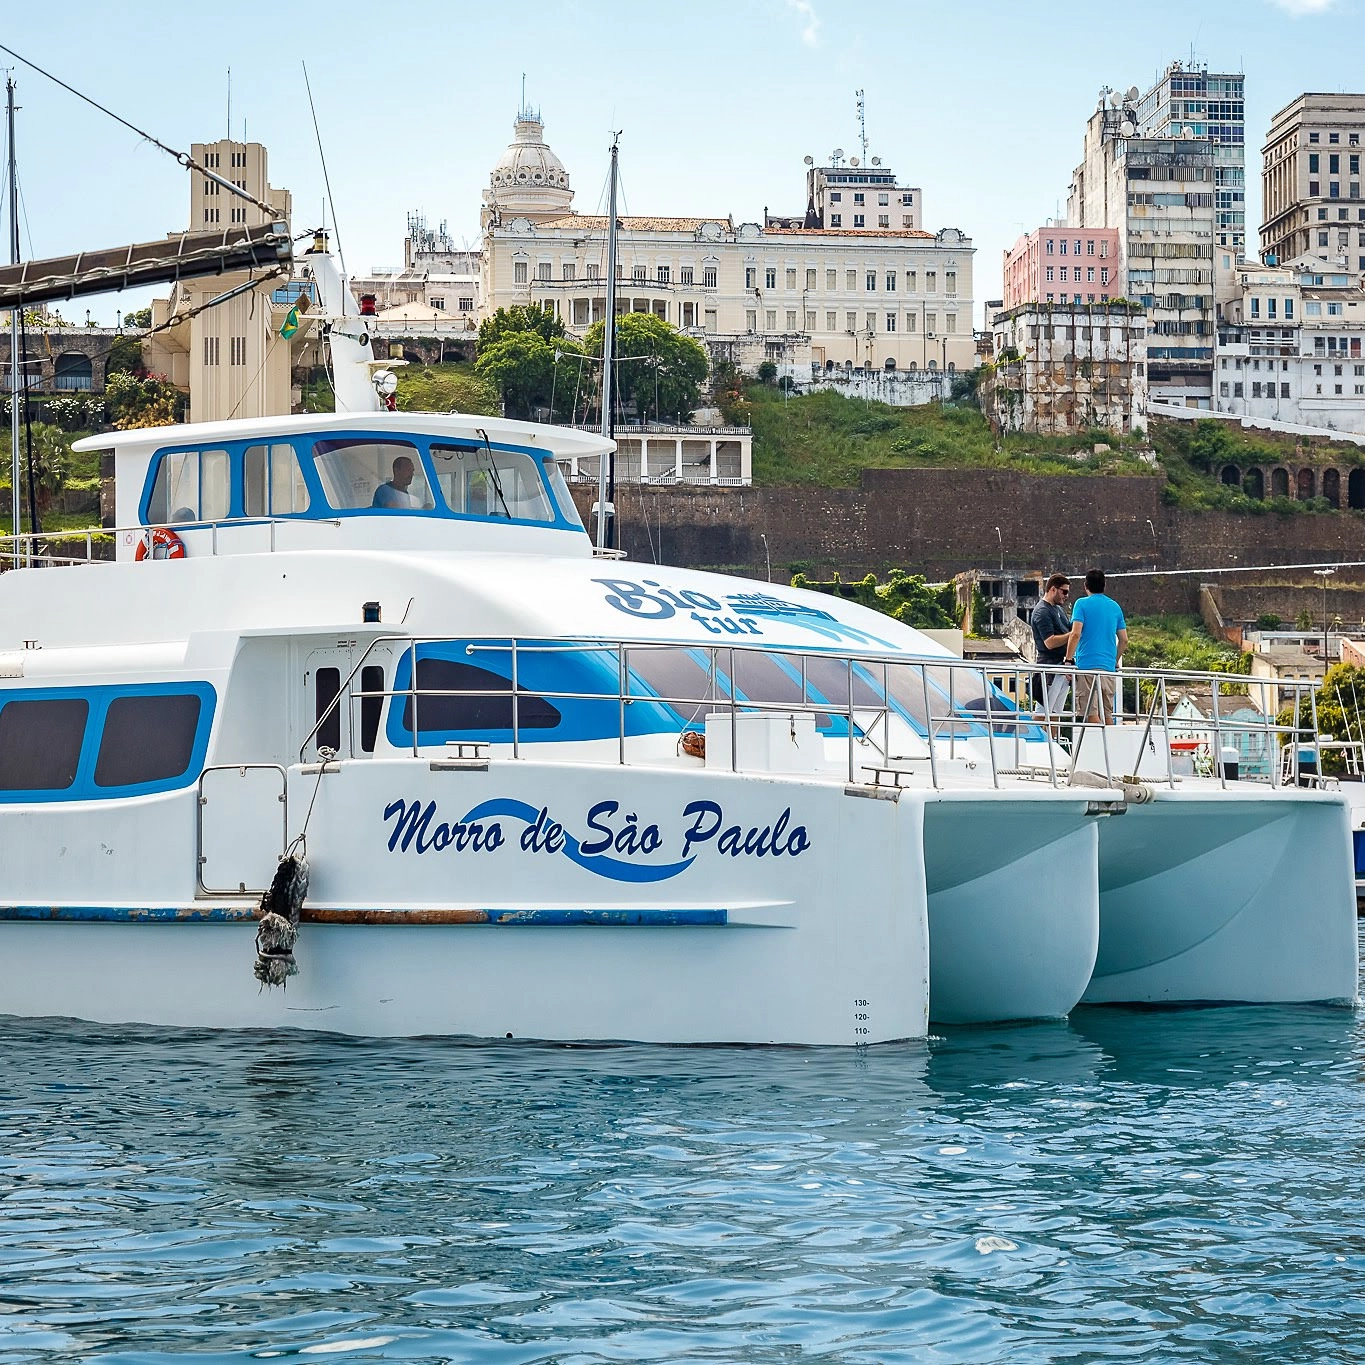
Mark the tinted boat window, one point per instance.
(480, 482)
(273, 482)
(371, 705)
(146, 739)
(40, 743)
(474, 699)
(760, 678)
(326, 685)
(677, 674)
(359, 472)
(190, 485)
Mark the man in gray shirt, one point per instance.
(1051, 627)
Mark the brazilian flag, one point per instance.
(291, 323)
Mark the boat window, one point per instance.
(761, 678)
(147, 739)
(559, 486)
(40, 743)
(371, 705)
(480, 481)
(831, 677)
(907, 686)
(462, 697)
(679, 675)
(326, 686)
(372, 472)
(273, 483)
(190, 485)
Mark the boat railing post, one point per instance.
(1218, 738)
(516, 714)
(852, 756)
(412, 692)
(952, 709)
(622, 678)
(1104, 728)
(734, 715)
(990, 724)
(929, 725)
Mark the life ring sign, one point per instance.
(161, 543)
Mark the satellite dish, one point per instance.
(1127, 128)
(1132, 96)
(1114, 99)
(1187, 131)
(837, 153)
(876, 161)
(809, 160)
(853, 161)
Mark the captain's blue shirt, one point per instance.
(1101, 620)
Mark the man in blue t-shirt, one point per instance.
(1099, 636)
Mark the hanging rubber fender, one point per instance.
(165, 537)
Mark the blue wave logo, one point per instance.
(552, 837)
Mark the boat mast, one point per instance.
(14, 312)
(606, 481)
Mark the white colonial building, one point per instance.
(810, 292)
(1290, 347)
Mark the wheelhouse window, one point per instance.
(371, 472)
(190, 485)
(675, 673)
(479, 481)
(40, 743)
(273, 483)
(147, 739)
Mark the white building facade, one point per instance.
(804, 296)
(1290, 347)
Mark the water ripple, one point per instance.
(1144, 1185)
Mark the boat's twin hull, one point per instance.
(561, 901)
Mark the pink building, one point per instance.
(1063, 265)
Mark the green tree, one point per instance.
(51, 463)
(521, 317)
(125, 357)
(529, 372)
(139, 317)
(152, 401)
(659, 370)
(767, 372)
(1340, 704)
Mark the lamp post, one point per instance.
(767, 558)
(1152, 529)
(1324, 574)
(1001, 541)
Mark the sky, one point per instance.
(981, 104)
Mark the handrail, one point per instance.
(872, 725)
(26, 549)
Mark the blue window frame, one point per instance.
(343, 473)
(97, 743)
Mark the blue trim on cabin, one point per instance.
(320, 508)
(672, 917)
(99, 699)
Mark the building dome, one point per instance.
(529, 178)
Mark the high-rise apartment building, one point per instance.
(1311, 181)
(1191, 101)
(1159, 194)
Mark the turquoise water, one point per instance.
(1136, 1185)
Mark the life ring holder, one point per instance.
(164, 537)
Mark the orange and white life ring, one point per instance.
(164, 537)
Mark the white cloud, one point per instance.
(1300, 8)
(810, 21)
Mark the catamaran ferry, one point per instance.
(359, 731)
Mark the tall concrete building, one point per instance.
(1311, 181)
(1159, 194)
(230, 357)
(1191, 101)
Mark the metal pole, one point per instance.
(608, 349)
(14, 312)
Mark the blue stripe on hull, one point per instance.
(232, 914)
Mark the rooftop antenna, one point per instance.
(229, 104)
(862, 123)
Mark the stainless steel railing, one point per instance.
(952, 708)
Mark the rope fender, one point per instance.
(278, 929)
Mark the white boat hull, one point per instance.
(1238, 895)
